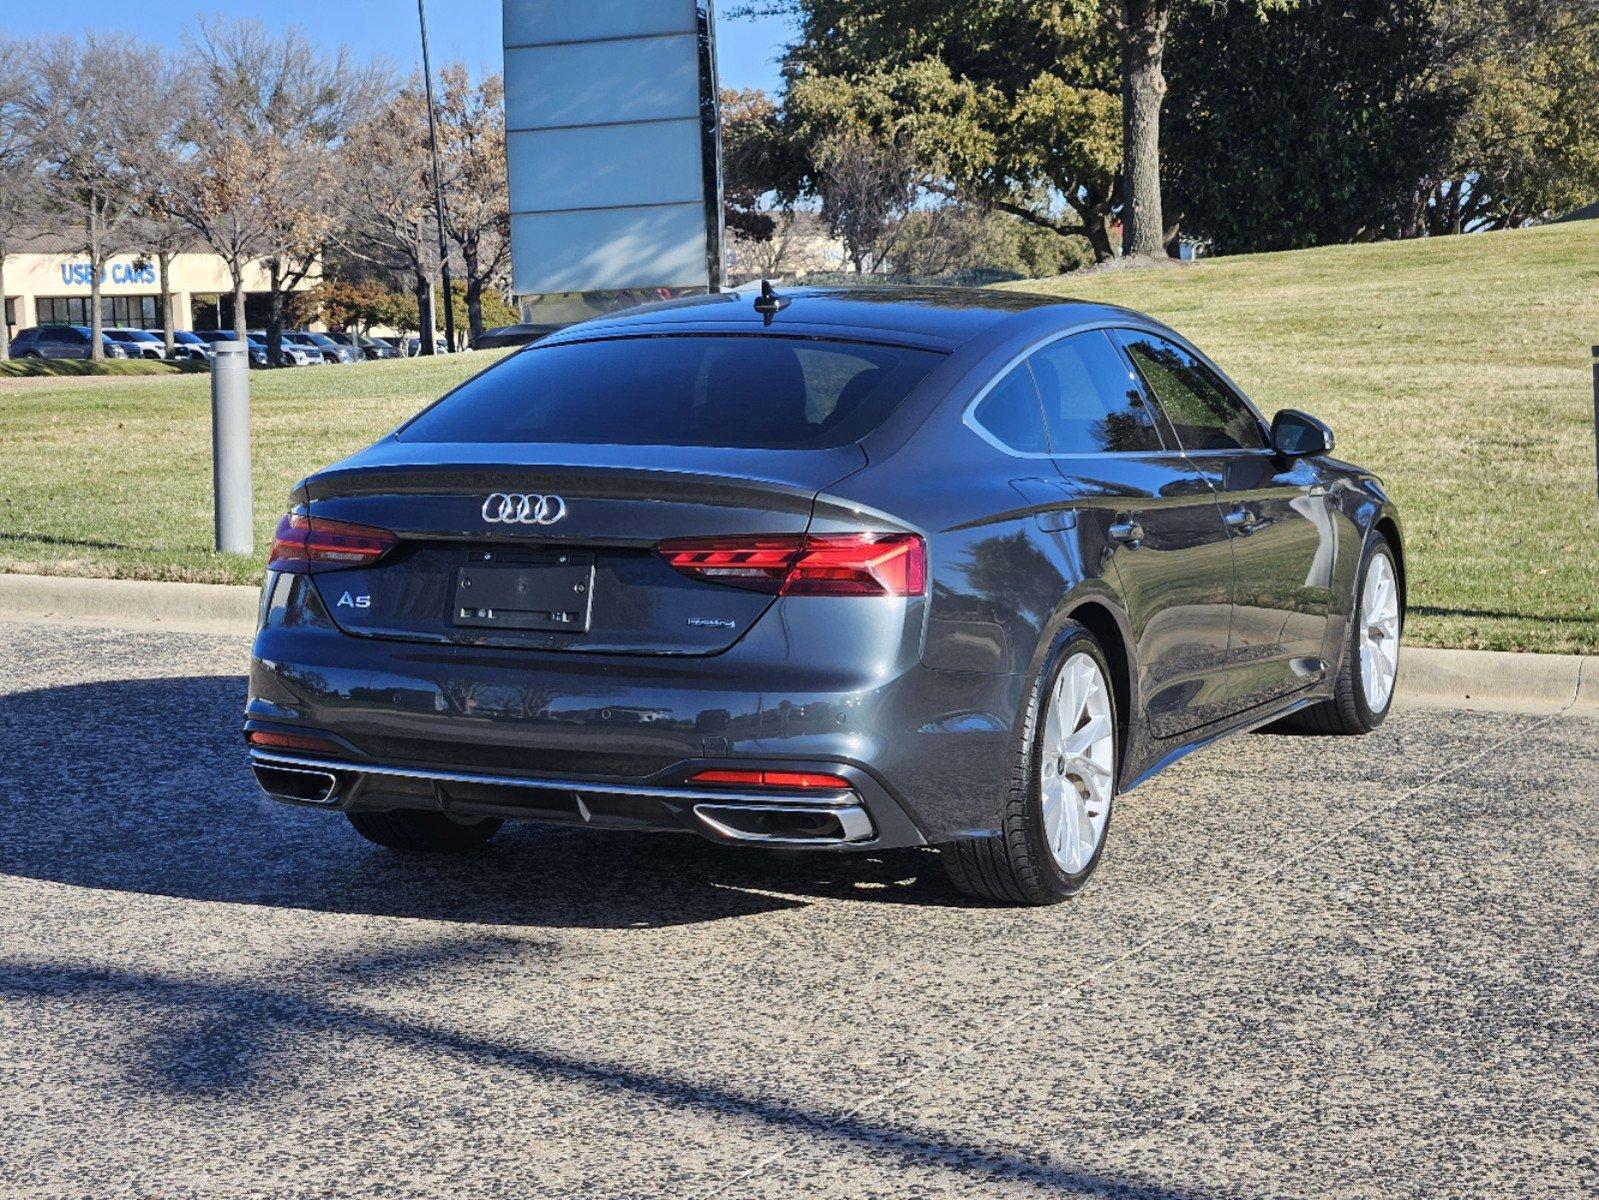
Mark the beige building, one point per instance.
(47, 283)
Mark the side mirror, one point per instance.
(1296, 434)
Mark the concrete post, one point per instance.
(230, 448)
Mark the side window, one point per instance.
(1010, 413)
(1091, 403)
(1205, 414)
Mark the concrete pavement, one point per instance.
(1308, 967)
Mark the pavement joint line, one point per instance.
(1160, 937)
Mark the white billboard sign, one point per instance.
(610, 117)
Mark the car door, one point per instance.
(1156, 518)
(54, 342)
(1276, 510)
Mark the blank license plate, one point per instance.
(553, 598)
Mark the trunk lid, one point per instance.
(587, 579)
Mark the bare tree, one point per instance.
(93, 106)
(477, 208)
(21, 195)
(388, 172)
(868, 183)
(262, 174)
(768, 258)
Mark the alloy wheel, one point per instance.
(1077, 768)
(1379, 633)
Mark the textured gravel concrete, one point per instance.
(1308, 967)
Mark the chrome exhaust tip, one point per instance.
(788, 824)
(297, 785)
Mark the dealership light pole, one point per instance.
(438, 187)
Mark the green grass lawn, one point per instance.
(113, 476)
(1457, 368)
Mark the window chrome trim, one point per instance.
(969, 413)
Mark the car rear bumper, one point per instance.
(860, 817)
(549, 735)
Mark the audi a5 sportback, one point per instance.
(839, 569)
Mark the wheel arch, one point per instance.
(1113, 632)
(1387, 525)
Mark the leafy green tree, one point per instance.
(1387, 118)
(1524, 141)
(1310, 126)
(1005, 48)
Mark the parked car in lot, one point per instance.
(140, 343)
(883, 567)
(64, 341)
(187, 344)
(320, 344)
(292, 354)
(369, 347)
(256, 347)
(413, 346)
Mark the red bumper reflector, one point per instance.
(821, 564)
(307, 545)
(789, 780)
(290, 741)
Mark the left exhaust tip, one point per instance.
(297, 785)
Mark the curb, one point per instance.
(132, 603)
(1427, 676)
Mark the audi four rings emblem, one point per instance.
(523, 508)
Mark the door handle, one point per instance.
(1129, 532)
(1241, 520)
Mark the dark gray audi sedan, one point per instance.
(842, 570)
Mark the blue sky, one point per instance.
(457, 29)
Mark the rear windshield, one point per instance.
(734, 391)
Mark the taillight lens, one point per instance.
(824, 564)
(794, 780)
(290, 741)
(307, 545)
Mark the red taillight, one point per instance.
(793, 780)
(306, 545)
(290, 741)
(824, 564)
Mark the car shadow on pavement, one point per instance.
(142, 786)
(243, 1042)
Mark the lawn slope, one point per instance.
(1456, 368)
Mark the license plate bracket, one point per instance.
(551, 593)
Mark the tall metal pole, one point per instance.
(438, 185)
(230, 448)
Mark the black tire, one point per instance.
(1015, 866)
(423, 832)
(1346, 713)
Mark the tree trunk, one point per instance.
(164, 269)
(239, 323)
(1096, 228)
(425, 319)
(275, 316)
(1143, 47)
(96, 322)
(474, 309)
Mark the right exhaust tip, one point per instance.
(788, 824)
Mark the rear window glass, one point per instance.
(737, 391)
